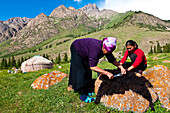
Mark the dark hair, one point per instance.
(132, 43)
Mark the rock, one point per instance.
(159, 76)
(49, 79)
(127, 101)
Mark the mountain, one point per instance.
(9, 28)
(92, 10)
(24, 35)
(12, 22)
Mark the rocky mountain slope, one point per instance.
(69, 22)
(9, 28)
(92, 10)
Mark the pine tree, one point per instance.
(13, 61)
(151, 51)
(58, 59)
(46, 47)
(50, 46)
(154, 49)
(9, 62)
(18, 63)
(52, 61)
(159, 50)
(5, 63)
(22, 59)
(168, 51)
(166, 48)
(47, 56)
(44, 55)
(65, 58)
(2, 63)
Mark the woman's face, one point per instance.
(105, 51)
(130, 48)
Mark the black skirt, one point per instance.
(80, 77)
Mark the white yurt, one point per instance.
(36, 63)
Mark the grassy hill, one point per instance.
(17, 95)
(61, 43)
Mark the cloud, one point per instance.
(77, 0)
(159, 8)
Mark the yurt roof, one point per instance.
(37, 60)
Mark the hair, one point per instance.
(132, 43)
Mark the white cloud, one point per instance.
(159, 8)
(77, 0)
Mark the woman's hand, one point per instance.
(123, 71)
(110, 75)
(101, 71)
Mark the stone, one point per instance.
(48, 79)
(159, 76)
(128, 101)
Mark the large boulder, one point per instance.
(131, 100)
(48, 79)
(126, 93)
(159, 76)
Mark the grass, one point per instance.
(17, 95)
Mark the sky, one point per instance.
(32, 8)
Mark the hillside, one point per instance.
(9, 28)
(64, 25)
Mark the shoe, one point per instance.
(91, 94)
(86, 98)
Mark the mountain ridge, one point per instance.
(72, 23)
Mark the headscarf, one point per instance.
(109, 43)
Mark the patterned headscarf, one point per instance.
(109, 43)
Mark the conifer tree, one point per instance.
(47, 56)
(2, 63)
(44, 55)
(22, 59)
(166, 48)
(58, 59)
(154, 49)
(18, 63)
(9, 62)
(159, 50)
(52, 61)
(13, 61)
(5, 63)
(65, 58)
(151, 51)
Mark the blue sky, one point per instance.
(32, 8)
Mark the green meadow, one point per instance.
(17, 95)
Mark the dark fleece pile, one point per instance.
(119, 85)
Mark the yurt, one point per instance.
(36, 63)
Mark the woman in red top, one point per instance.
(138, 60)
